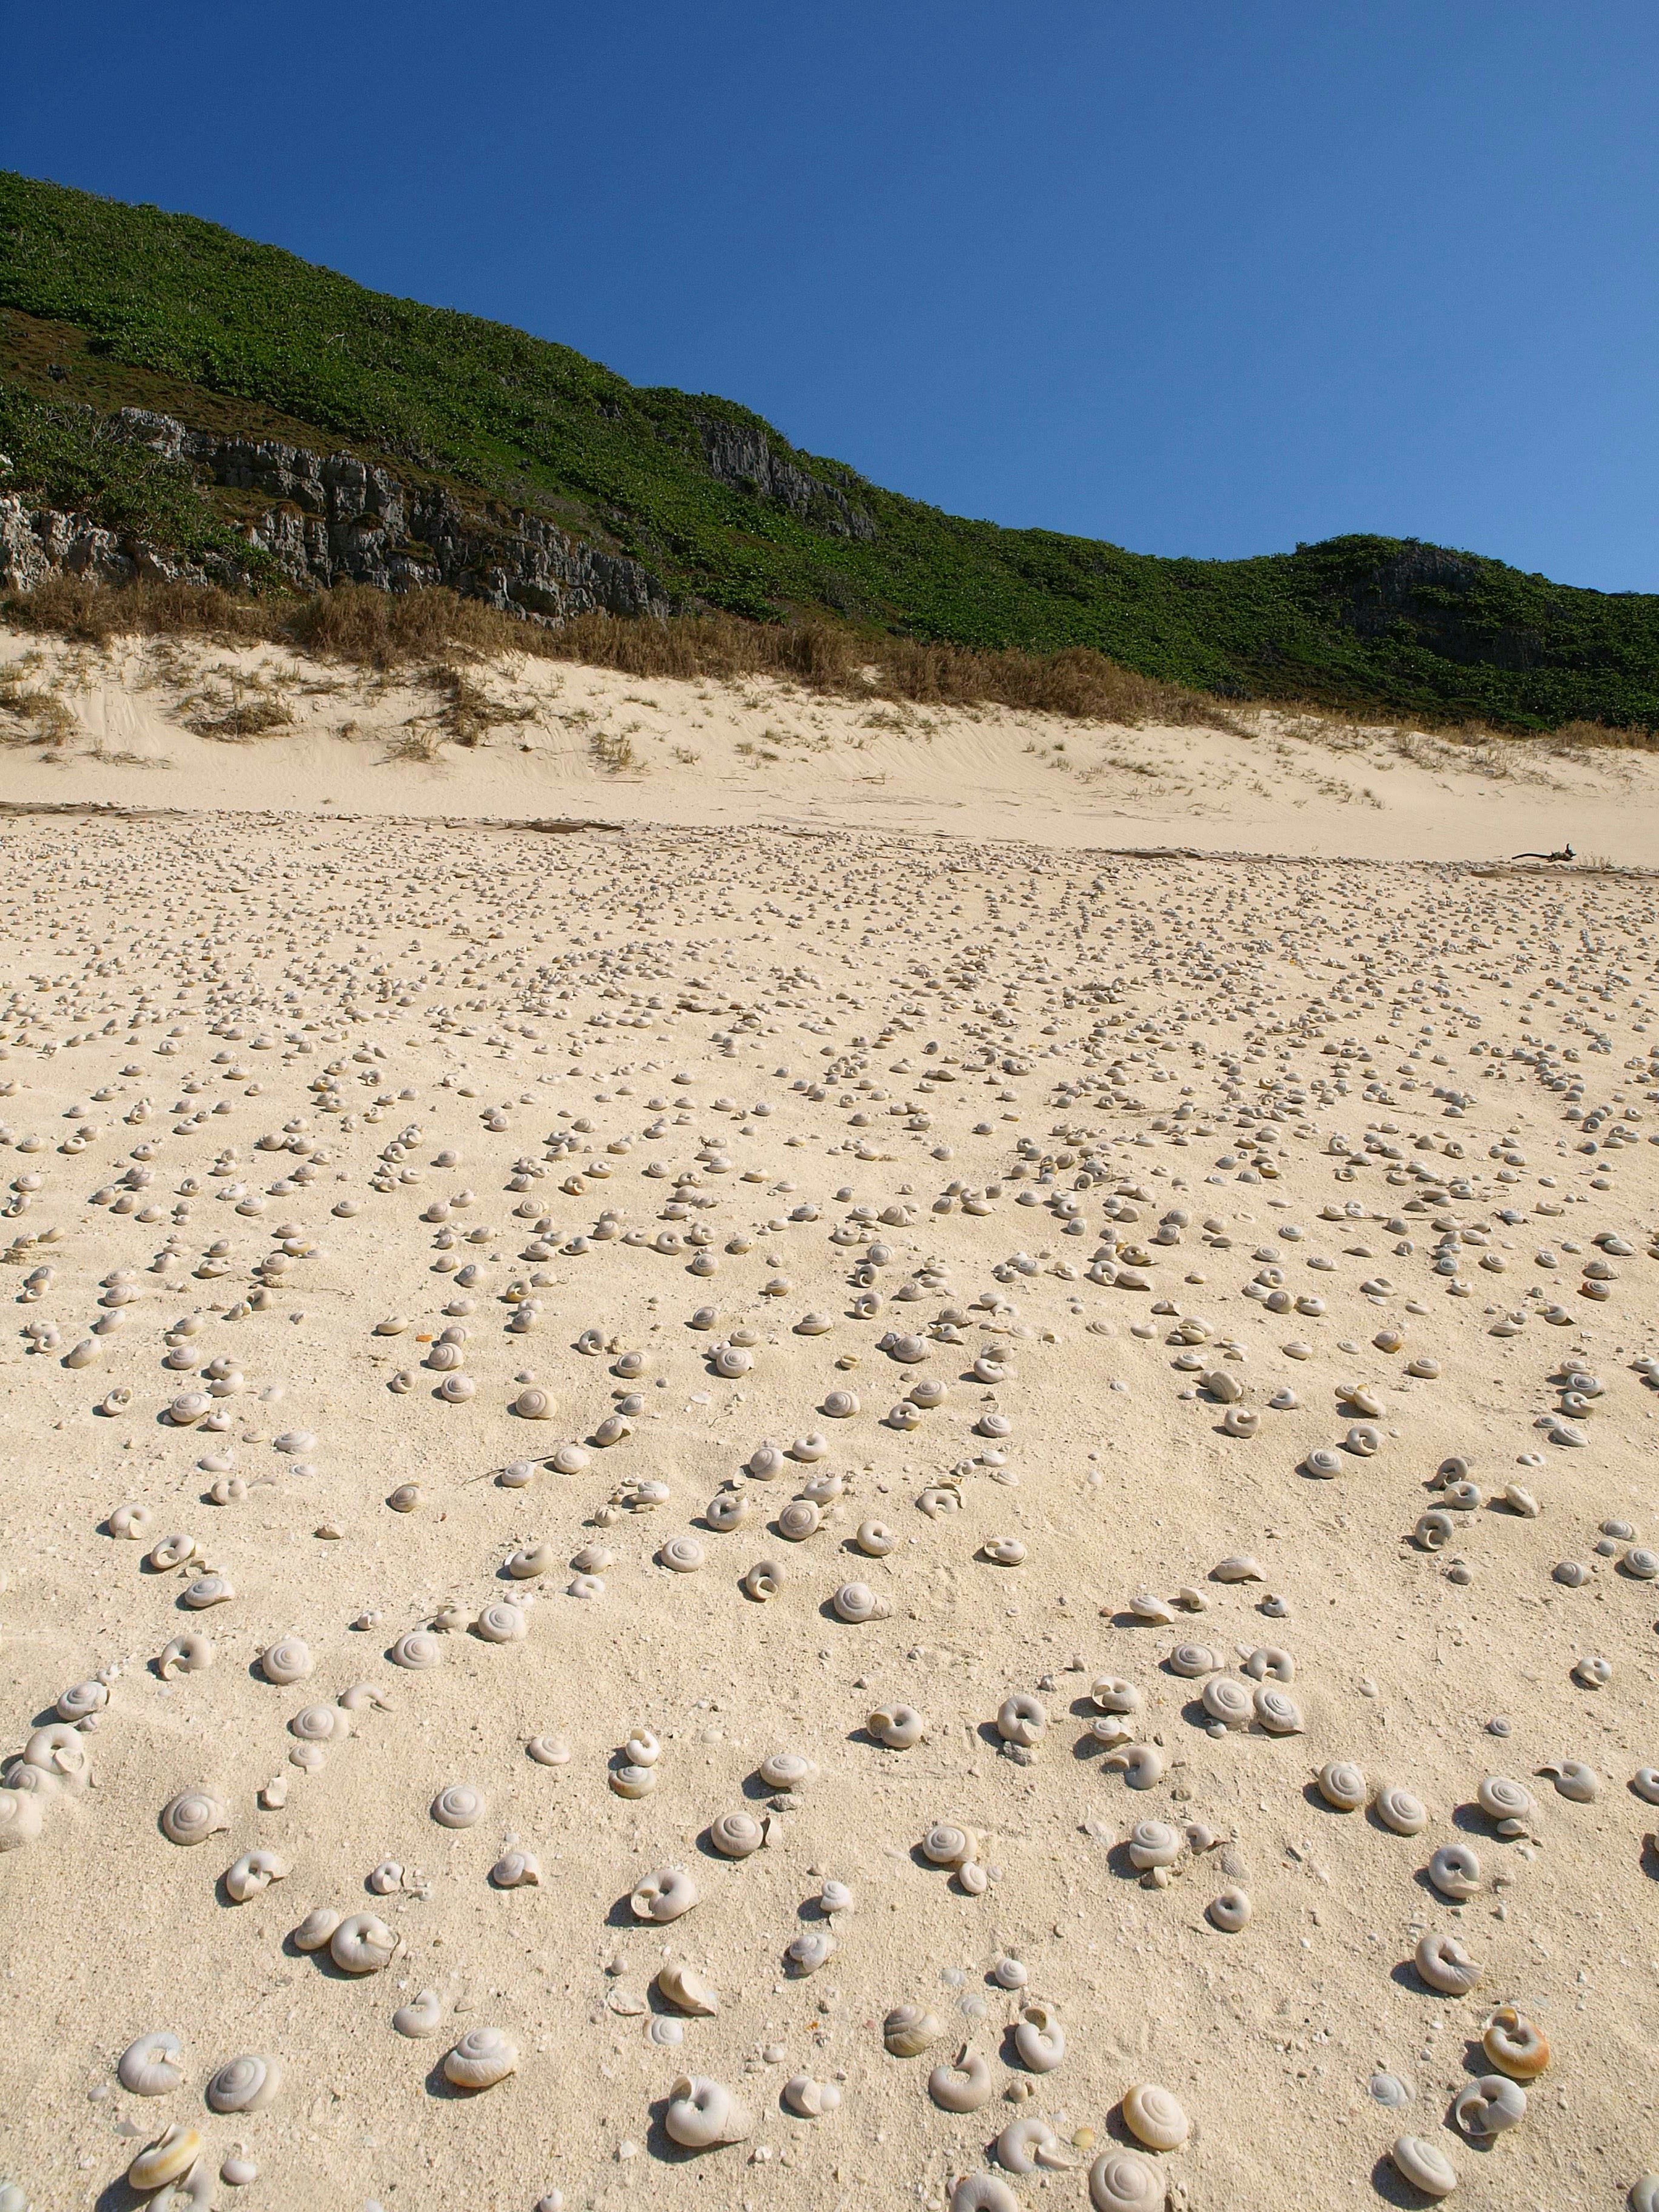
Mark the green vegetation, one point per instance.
(103, 304)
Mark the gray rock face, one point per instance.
(334, 519)
(740, 455)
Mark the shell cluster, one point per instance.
(807, 1484)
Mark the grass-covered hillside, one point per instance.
(104, 306)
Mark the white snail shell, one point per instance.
(146, 2066)
(1029, 2142)
(1424, 2165)
(1278, 1713)
(1398, 1809)
(1228, 1701)
(418, 1649)
(682, 1555)
(252, 1873)
(1192, 1660)
(362, 1944)
(535, 1404)
(1039, 2039)
(191, 1817)
(1155, 1843)
(1446, 1965)
(286, 1661)
(483, 2057)
(1455, 1870)
(1122, 2181)
(1142, 1764)
(1021, 1719)
(130, 1522)
(1575, 1780)
(983, 2192)
(548, 1751)
(664, 1894)
(735, 1835)
(786, 1770)
(248, 2084)
(1229, 1912)
(458, 1806)
(502, 1623)
(315, 1929)
(1342, 1784)
(703, 2114)
(1508, 1803)
(422, 2016)
(1487, 2106)
(857, 1602)
(1154, 2117)
(961, 2085)
(1113, 1696)
(809, 1950)
(799, 1519)
(901, 1728)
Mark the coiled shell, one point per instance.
(254, 1872)
(169, 2158)
(146, 2066)
(362, 1944)
(1508, 1803)
(1021, 1719)
(1039, 2039)
(682, 1555)
(983, 2192)
(1278, 1713)
(735, 1835)
(1398, 1809)
(1153, 2117)
(809, 2100)
(1230, 1911)
(703, 2114)
(535, 1404)
(1029, 2142)
(422, 2016)
(799, 1519)
(1446, 1965)
(191, 1817)
(1487, 2106)
(417, 1649)
(1228, 1701)
(1515, 2044)
(664, 1895)
(286, 1661)
(1122, 2181)
(516, 1870)
(1424, 2165)
(856, 1603)
(1342, 1784)
(907, 2031)
(763, 1580)
(502, 1623)
(901, 1728)
(314, 1930)
(483, 2057)
(458, 1806)
(1455, 1870)
(246, 2084)
(962, 2085)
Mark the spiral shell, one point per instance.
(664, 1894)
(875, 1539)
(1508, 1803)
(946, 1845)
(1142, 1764)
(1575, 1780)
(983, 2192)
(252, 1873)
(731, 1360)
(362, 1944)
(172, 1551)
(483, 2057)
(169, 2158)
(1342, 1784)
(962, 2085)
(422, 2016)
(1192, 1660)
(1424, 2165)
(1455, 1870)
(1153, 2117)
(1486, 2107)
(1323, 1464)
(799, 1519)
(812, 1948)
(632, 1780)
(1122, 2181)
(688, 1991)
(1155, 1843)
(191, 1817)
(246, 2084)
(703, 2114)
(840, 1405)
(146, 2066)
(459, 1806)
(1113, 1696)
(1229, 1912)
(1446, 1965)
(530, 1560)
(1021, 1719)
(535, 1404)
(1029, 2142)
(286, 1661)
(1515, 2044)
(315, 1929)
(857, 1602)
(1039, 2039)
(1228, 1701)
(80, 1699)
(907, 2031)
(1240, 1421)
(735, 1835)
(901, 1728)
(1398, 1809)
(763, 1580)
(1277, 1713)
(319, 1724)
(502, 1623)
(682, 1555)
(131, 1522)
(786, 1770)
(417, 1649)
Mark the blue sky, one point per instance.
(1198, 278)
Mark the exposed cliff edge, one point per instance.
(334, 519)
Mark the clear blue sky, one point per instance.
(1200, 277)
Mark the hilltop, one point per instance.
(180, 387)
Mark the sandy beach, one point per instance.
(534, 1347)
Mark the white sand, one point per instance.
(945, 967)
